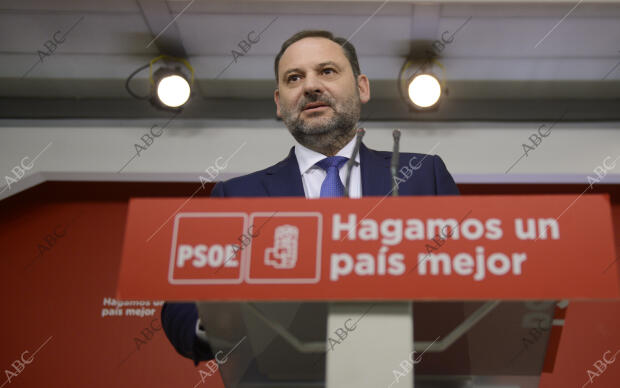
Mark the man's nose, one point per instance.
(312, 85)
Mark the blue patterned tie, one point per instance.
(332, 185)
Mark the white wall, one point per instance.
(473, 152)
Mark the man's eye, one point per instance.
(290, 78)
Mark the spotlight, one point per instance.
(418, 82)
(171, 88)
(424, 90)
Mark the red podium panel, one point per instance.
(393, 248)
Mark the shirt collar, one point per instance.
(307, 158)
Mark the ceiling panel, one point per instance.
(507, 50)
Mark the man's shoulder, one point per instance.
(257, 175)
(414, 160)
(248, 182)
(421, 174)
(247, 179)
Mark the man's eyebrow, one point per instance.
(322, 64)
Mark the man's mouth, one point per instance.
(315, 106)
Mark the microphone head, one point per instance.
(396, 134)
(360, 132)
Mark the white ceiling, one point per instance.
(507, 51)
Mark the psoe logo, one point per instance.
(283, 254)
(205, 250)
(288, 251)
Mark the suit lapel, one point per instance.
(284, 178)
(376, 179)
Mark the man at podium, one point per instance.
(319, 94)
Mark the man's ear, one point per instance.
(363, 85)
(276, 98)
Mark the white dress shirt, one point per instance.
(312, 175)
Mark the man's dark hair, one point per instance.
(347, 47)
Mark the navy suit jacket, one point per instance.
(427, 176)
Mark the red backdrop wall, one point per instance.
(61, 245)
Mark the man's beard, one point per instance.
(323, 134)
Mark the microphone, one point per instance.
(356, 150)
(394, 164)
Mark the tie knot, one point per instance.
(332, 161)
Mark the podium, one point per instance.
(377, 291)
